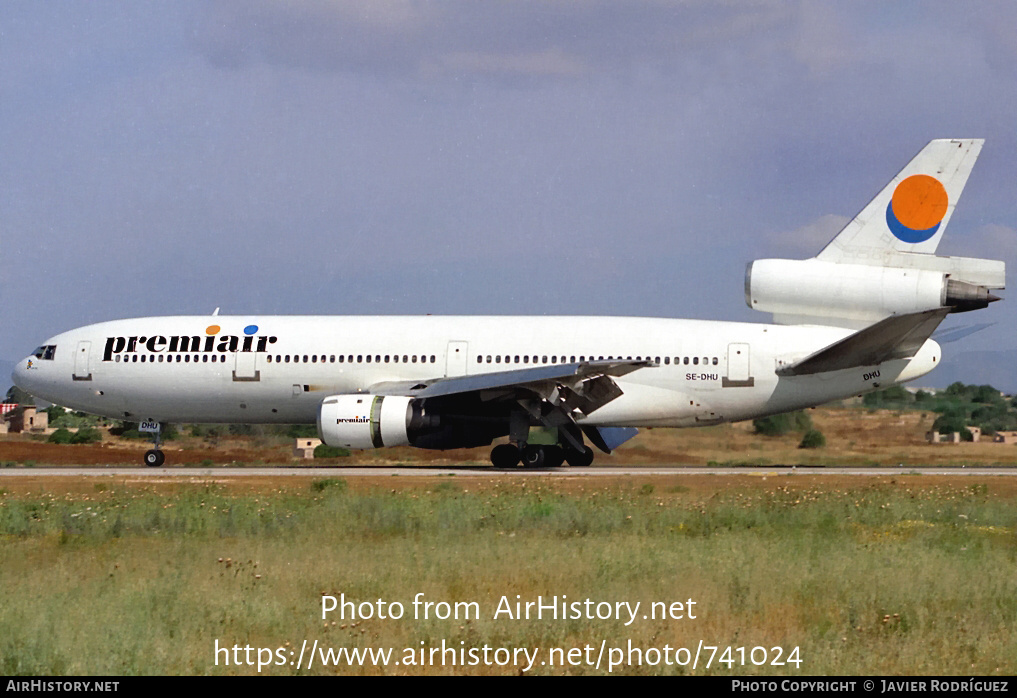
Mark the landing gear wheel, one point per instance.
(554, 456)
(533, 456)
(505, 456)
(154, 458)
(579, 459)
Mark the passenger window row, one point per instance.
(525, 359)
(352, 358)
(169, 358)
(394, 358)
(278, 358)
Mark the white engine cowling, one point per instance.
(813, 290)
(365, 421)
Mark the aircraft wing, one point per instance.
(895, 337)
(585, 386)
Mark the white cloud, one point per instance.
(809, 239)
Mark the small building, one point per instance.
(28, 418)
(934, 437)
(1005, 437)
(304, 448)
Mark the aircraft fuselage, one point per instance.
(277, 369)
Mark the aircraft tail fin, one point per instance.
(883, 262)
(911, 213)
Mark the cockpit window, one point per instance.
(46, 352)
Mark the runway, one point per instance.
(482, 471)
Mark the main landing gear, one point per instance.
(535, 456)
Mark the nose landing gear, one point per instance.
(154, 457)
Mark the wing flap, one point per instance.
(895, 337)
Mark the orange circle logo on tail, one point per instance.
(918, 206)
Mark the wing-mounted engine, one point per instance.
(371, 421)
(814, 291)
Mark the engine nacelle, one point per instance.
(813, 290)
(368, 421)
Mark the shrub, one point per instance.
(326, 451)
(86, 435)
(951, 421)
(127, 430)
(302, 431)
(60, 436)
(894, 395)
(813, 439)
(780, 424)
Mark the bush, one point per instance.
(987, 394)
(325, 451)
(813, 439)
(780, 424)
(55, 412)
(951, 421)
(60, 436)
(895, 395)
(86, 435)
(127, 430)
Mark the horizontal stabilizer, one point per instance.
(953, 334)
(895, 337)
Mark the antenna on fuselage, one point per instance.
(215, 312)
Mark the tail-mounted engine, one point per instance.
(817, 291)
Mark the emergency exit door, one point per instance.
(738, 368)
(455, 358)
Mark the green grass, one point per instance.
(883, 579)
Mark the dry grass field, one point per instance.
(881, 575)
(854, 436)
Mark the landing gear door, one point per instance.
(81, 372)
(245, 369)
(738, 368)
(455, 358)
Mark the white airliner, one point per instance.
(855, 318)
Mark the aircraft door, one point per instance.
(245, 369)
(455, 358)
(81, 372)
(738, 367)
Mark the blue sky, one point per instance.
(473, 157)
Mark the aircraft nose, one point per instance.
(20, 375)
